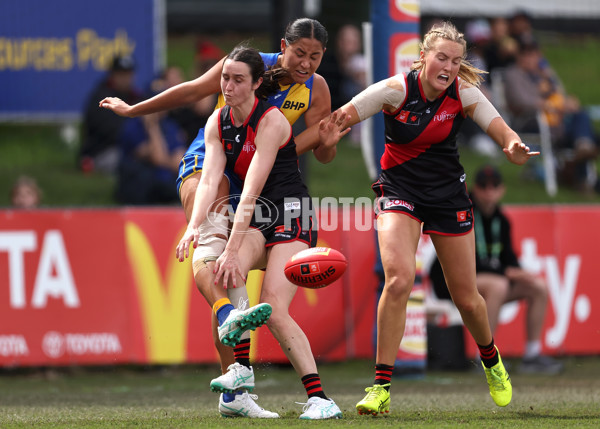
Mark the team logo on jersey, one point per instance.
(228, 146)
(409, 118)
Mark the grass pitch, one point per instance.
(178, 397)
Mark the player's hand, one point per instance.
(116, 105)
(518, 152)
(332, 129)
(228, 269)
(190, 236)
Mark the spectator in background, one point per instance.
(500, 279)
(151, 148)
(477, 35)
(25, 193)
(99, 150)
(345, 70)
(193, 117)
(535, 87)
(521, 27)
(501, 49)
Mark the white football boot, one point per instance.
(319, 409)
(244, 406)
(237, 377)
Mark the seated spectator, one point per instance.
(345, 68)
(189, 118)
(500, 279)
(477, 35)
(501, 49)
(99, 150)
(151, 148)
(25, 193)
(532, 86)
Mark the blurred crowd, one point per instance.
(143, 153)
(526, 90)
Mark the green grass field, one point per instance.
(178, 397)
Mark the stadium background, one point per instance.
(61, 305)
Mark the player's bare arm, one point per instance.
(207, 190)
(178, 96)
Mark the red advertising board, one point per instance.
(560, 244)
(104, 287)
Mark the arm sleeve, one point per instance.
(391, 91)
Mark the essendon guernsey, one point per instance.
(421, 161)
(239, 145)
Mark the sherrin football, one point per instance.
(316, 267)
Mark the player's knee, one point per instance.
(398, 287)
(211, 243)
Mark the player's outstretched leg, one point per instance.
(499, 383)
(243, 405)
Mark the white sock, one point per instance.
(532, 349)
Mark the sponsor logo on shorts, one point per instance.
(461, 216)
(295, 205)
(398, 203)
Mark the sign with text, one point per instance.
(53, 53)
(104, 287)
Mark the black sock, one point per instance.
(241, 352)
(312, 384)
(383, 374)
(489, 354)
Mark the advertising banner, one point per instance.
(92, 287)
(52, 53)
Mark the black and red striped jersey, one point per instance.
(421, 160)
(239, 146)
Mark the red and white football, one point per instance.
(316, 267)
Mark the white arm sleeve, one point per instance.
(391, 91)
(484, 112)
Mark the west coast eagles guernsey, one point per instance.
(421, 162)
(293, 100)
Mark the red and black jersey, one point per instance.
(239, 146)
(421, 160)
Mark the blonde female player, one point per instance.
(422, 188)
(254, 140)
(303, 92)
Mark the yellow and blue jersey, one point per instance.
(293, 100)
